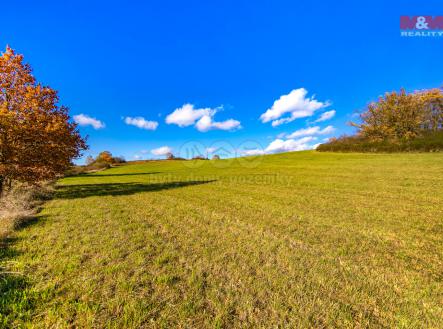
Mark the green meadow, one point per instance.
(303, 239)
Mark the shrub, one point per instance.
(426, 142)
(20, 204)
(119, 160)
(95, 166)
(104, 157)
(200, 157)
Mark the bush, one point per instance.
(98, 165)
(426, 142)
(20, 204)
(104, 157)
(93, 167)
(118, 160)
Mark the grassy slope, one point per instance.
(306, 239)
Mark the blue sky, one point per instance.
(228, 60)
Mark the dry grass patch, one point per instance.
(21, 204)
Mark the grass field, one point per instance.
(304, 239)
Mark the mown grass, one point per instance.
(305, 239)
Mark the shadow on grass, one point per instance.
(118, 175)
(17, 302)
(116, 189)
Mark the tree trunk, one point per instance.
(2, 179)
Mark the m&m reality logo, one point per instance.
(421, 26)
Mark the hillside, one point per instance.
(304, 239)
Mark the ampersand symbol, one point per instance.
(421, 23)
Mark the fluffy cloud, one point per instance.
(292, 106)
(327, 130)
(187, 115)
(85, 120)
(281, 145)
(311, 131)
(304, 132)
(206, 123)
(203, 119)
(161, 150)
(326, 116)
(299, 140)
(141, 123)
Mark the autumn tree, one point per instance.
(105, 156)
(402, 116)
(38, 140)
(432, 103)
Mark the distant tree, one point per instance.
(105, 156)
(89, 160)
(199, 157)
(104, 160)
(38, 141)
(170, 156)
(215, 157)
(119, 159)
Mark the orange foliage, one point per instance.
(402, 116)
(105, 156)
(37, 139)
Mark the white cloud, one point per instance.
(85, 120)
(161, 150)
(327, 130)
(326, 116)
(229, 124)
(280, 145)
(141, 123)
(279, 122)
(206, 124)
(203, 119)
(304, 132)
(211, 149)
(311, 131)
(295, 105)
(187, 115)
